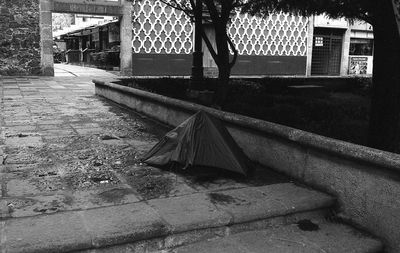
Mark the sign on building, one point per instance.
(358, 65)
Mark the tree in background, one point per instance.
(218, 14)
(384, 121)
(62, 20)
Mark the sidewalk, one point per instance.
(69, 70)
(71, 179)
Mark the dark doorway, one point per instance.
(327, 51)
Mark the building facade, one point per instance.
(161, 40)
(340, 47)
(282, 44)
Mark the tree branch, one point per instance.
(212, 9)
(235, 52)
(367, 18)
(227, 7)
(179, 7)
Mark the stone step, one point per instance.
(326, 238)
(166, 222)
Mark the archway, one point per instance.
(120, 8)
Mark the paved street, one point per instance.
(65, 149)
(71, 179)
(59, 143)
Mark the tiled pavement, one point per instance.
(59, 143)
(68, 153)
(66, 149)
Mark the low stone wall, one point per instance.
(366, 181)
(19, 37)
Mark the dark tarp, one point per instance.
(201, 140)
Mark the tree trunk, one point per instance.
(224, 70)
(223, 84)
(384, 125)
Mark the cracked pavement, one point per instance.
(62, 149)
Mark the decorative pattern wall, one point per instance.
(278, 35)
(160, 29)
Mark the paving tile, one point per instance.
(58, 132)
(26, 156)
(185, 213)
(47, 233)
(123, 223)
(90, 131)
(37, 205)
(256, 203)
(34, 186)
(328, 238)
(86, 199)
(29, 141)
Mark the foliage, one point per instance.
(62, 20)
(338, 114)
(352, 9)
(384, 119)
(218, 13)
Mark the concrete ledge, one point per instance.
(169, 221)
(337, 147)
(249, 204)
(333, 238)
(365, 180)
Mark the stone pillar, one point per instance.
(46, 38)
(19, 38)
(344, 66)
(126, 38)
(310, 43)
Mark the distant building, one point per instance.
(282, 44)
(341, 47)
(88, 36)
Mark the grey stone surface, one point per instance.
(49, 233)
(19, 38)
(96, 181)
(364, 180)
(268, 201)
(330, 238)
(53, 160)
(185, 213)
(122, 224)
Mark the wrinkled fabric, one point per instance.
(201, 140)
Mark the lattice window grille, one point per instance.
(160, 29)
(279, 34)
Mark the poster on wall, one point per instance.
(358, 65)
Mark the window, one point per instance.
(361, 46)
(319, 41)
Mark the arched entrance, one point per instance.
(120, 8)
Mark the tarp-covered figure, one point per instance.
(201, 140)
